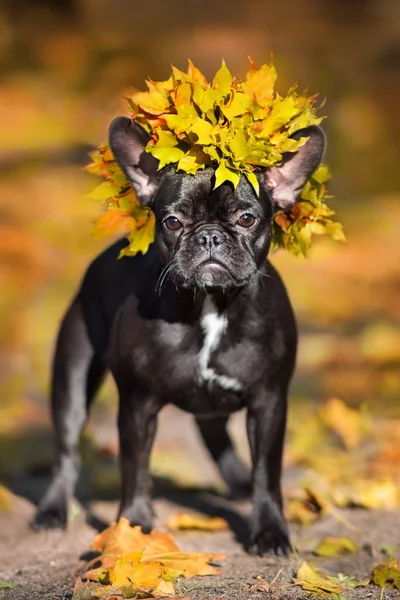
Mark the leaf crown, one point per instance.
(234, 125)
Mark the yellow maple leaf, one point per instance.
(155, 102)
(195, 74)
(186, 564)
(349, 424)
(387, 574)
(129, 571)
(141, 236)
(138, 563)
(113, 221)
(336, 546)
(223, 79)
(312, 580)
(260, 83)
(186, 522)
(120, 538)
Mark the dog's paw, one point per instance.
(269, 532)
(139, 513)
(52, 516)
(272, 540)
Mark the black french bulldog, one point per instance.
(202, 321)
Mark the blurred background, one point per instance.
(65, 67)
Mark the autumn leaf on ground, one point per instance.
(183, 521)
(349, 424)
(129, 571)
(120, 538)
(159, 543)
(139, 563)
(314, 581)
(387, 574)
(7, 585)
(86, 590)
(303, 506)
(336, 546)
(188, 564)
(367, 493)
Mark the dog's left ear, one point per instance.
(284, 183)
(127, 141)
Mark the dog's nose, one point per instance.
(211, 238)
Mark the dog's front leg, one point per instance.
(266, 421)
(137, 422)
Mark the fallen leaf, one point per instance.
(336, 546)
(387, 574)
(183, 521)
(383, 493)
(303, 508)
(139, 563)
(188, 564)
(129, 571)
(349, 424)
(159, 543)
(7, 584)
(312, 580)
(120, 538)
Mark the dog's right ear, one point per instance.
(127, 141)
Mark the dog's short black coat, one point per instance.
(202, 321)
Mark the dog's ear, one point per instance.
(127, 141)
(284, 183)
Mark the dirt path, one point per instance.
(43, 564)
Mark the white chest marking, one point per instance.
(213, 325)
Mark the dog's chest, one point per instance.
(214, 325)
(204, 366)
(208, 378)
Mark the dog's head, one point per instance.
(212, 238)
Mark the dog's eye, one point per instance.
(172, 223)
(246, 220)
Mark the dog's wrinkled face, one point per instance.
(212, 238)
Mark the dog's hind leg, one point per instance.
(77, 374)
(215, 435)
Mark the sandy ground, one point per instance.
(44, 565)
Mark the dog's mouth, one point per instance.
(213, 265)
(213, 273)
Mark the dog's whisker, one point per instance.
(163, 276)
(265, 274)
